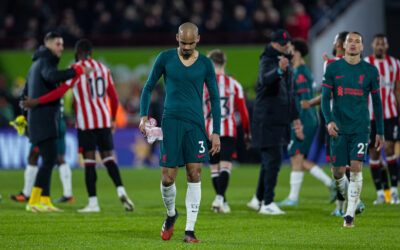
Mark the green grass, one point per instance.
(305, 226)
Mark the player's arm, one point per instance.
(397, 84)
(327, 87)
(156, 72)
(378, 110)
(240, 102)
(270, 73)
(112, 94)
(212, 87)
(53, 76)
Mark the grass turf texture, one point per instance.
(305, 226)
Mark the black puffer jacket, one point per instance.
(275, 107)
(43, 77)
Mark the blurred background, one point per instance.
(128, 35)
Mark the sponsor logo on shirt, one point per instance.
(340, 91)
(350, 91)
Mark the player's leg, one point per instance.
(391, 159)
(271, 158)
(255, 202)
(30, 173)
(385, 179)
(63, 167)
(296, 179)
(48, 152)
(87, 145)
(320, 175)
(215, 172)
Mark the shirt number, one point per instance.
(362, 148)
(98, 87)
(202, 148)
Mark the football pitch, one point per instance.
(307, 225)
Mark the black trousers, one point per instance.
(271, 160)
(48, 152)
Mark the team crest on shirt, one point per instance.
(360, 81)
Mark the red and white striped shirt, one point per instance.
(91, 93)
(232, 99)
(331, 60)
(389, 72)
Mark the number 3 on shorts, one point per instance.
(202, 148)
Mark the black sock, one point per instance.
(223, 182)
(215, 180)
(393, 170)
(384, 178)
(113, 172)
(376, 172)
(90, 178)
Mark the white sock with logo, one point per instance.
(296, 178)
(168, 195)
(342, 185)
(66, 179)
(193, 197)
(354, 192)
(29, 179)
(320, 175)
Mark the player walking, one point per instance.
(232, 99)
(389, 72)
(349, 81)
(185, 141)
(94, 121)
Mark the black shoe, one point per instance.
(348, 221)
(190, 238)
(19, 197)
(64, 199)
(168, 227)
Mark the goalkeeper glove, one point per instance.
(19, 124)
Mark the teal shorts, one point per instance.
(349, 147)
(60, 140)
(183, 142)
(302, 147)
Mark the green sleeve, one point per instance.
(327, 86)
(377, 102)
(302, 86)
(212, 86)
(156, 72)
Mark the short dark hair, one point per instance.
(51, 35)
(301, 46)
(341, 37)
(217, 56)
(357, 33)
(83, 47)
(380, 35)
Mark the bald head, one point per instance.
(187, 37)
(190, 28)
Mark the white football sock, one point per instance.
(320, 175)
(296, 178)
(380, 193)
(121, 191)
(66, 179)
(168, 195)
(340, 205)
(393, 191)
(354, 192)
(29, 179)
(93, 201)
(342, 185)
(193, 197)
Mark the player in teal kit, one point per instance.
(185, 141)
(350, 80)
(298, 149)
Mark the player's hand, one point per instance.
(247, 140)
(332, 129)
(113, 126)
(298, 129)
(283, 64)
(216, 144)
(379, 140)
(29, 103)
(305, 104)
(142, 125)
(325, 57)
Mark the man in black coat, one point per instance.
(274, 111)
(43, 121)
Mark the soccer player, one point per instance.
(32, 169)
(94, 121)
(298, 150)
(232, 99)
(350, 80)
(43, 121)
(389, 71)
(185, 141)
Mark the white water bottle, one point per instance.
(153, 133)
